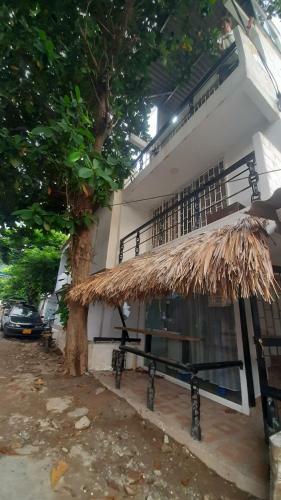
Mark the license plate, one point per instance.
(27, 331)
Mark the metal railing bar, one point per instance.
(186, 219)
(131, 248)
(196, 367)
(237, 175)
(188, 196)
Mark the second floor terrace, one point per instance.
(235, 99)
(217, 193)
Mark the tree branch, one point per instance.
(84, 36)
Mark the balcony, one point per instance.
(227, 107)
(227, 191)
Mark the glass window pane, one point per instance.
(211, 324)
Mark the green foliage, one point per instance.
(13, 242)
(32, 257)
(74, 79)
(272, 7)
(32, 275)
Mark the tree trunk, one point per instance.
(76, 350)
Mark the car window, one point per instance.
(25, 312)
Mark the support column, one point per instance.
(119, 368)
(195, 405)
(151, 386)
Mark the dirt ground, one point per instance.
(117, 455)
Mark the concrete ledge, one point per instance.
(99, 354)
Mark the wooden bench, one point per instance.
(118, 358)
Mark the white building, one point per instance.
(217, 154)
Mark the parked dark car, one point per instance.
(24, 321)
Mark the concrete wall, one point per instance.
(268, 158)
(63, 278)
(100, 238)
(258, 85)
(132, 216)
(270, 54)
(111, 226)
(267, 147)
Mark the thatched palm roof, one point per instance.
(233, 261)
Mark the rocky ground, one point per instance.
(63, 438)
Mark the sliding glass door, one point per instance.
(210, 322)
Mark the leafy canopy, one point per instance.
(32, 259)
(74, 81)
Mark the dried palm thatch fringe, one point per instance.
(233, 261)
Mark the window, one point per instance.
(187, 216)
(211, 323)
(24, 312)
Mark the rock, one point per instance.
(131, 490)
(54, 424)
(115, 482)
(28, 449)
(58, 405)
(24, 435)
(65, 450)
(100, 390)
(157, 472)
(45, 424)
(166, 439)
(78, 412)
(134, 477)
(82, 423)
(57, 472)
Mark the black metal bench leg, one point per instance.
(151, 386)
(195, 404)
(119, 368)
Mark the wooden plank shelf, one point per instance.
(161, 333)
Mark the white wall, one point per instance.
(231, 156)
(268, 159)
(258, 85)
(111, 226)
(63, 278)
(133, 216)
(48, 307)
(270, 53)
(100, 238)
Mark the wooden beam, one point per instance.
(162, 333)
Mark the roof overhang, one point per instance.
(232, 261)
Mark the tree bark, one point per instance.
(80, 252)
(76, 349)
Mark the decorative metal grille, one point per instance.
(192, 213)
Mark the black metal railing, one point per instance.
(196, 209)
(211, 81)
(118, 366)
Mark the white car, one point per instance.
(5, 316)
